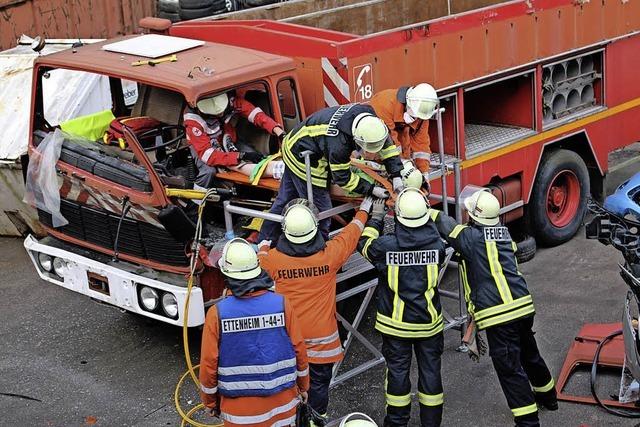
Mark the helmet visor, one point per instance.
(422, 108)
(369, 146)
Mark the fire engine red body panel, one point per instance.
(464, 50)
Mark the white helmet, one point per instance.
(369, 132)
(483, 207)
(362, 420)
(422, 101)
(411, 176)
(300, 223)
(239, 260)
(412, 208)
(214, 105)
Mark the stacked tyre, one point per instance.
(193, 9)
(169, 9)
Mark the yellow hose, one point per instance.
(186, 417)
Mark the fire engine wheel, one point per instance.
(559, 197)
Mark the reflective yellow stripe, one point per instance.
(398, 304)
(299, 171)
(339, 167)
(507, 317)
(467, 289)
(432, 281)
(354, 180)
(515, 248)
(496, 272)
(409, 334)
(365, 249)
(524, 410)
(433, 214)
(319, 173)
(409, 326)
(403, 400)
(545, 388)
(456, 230)
(431, 399)
(498, 309)
(370, 232)
(387, 153)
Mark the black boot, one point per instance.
(548, 400)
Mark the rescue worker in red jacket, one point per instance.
(500, 303)
(245, 336)
(213, 138)
(304, 267)
(406, 112)
(409, 314)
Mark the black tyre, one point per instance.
(196, 4)
(559, 198)
(255, 3)
(526, 249)
(168, 6)
(186, 14)
(173, 17)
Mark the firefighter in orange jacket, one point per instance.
(304, 268)
(406, 112)
(245, 336)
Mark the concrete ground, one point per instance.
(89, 364)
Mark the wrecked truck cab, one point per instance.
(119, 193)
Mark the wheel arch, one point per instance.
(579, 143)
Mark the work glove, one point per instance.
(279, 132)
(250, 156)
(380, 193)
(398, 185)
(366, 205)
(425, 182)
(379, 209)
(263, 243)
(476, 346)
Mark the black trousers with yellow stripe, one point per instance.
(397, 353)
(520, 367)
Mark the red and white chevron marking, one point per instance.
(335, 81)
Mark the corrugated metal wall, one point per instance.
(70, 18)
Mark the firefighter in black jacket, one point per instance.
(500, 303)
(331, 135)
(409, 314)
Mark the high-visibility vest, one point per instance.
(256, 354)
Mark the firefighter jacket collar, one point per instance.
(402, 94)
(242, 287)
(344, 123)
(301, 250)
(409, 238)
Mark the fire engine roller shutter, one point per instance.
(136, 238)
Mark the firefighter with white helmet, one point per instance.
(409, 315)
(304, 267)
(244, 335)
(211, 133)
(330, 136)
(406, 112)
(500, 303)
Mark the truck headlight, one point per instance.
(45, 261)
(59, 266)
(149, 298)
(170, 305)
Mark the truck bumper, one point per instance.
(114, 286)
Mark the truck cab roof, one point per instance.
(230, 66)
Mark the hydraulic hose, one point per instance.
(186, 416)
(592, 380)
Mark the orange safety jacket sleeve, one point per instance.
(342, 246)
(295, 334)
(420, 146)
(209, 359)
(254, 114)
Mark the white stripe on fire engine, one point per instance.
(335, 77)
(328, 98)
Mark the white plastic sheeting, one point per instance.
(69, 94)
(42, 190)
